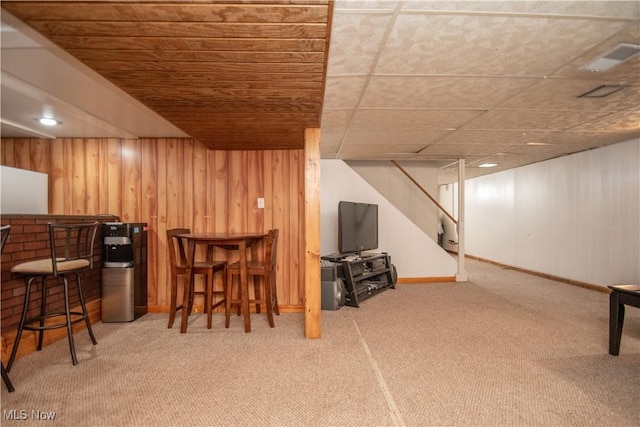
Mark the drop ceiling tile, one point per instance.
(623, 9)
(470, 6)
(562, 94)
(532, 119)
(365, 4)
(332, 119)
(452, 161)
(473, 93)
(448, 176)
(566, 148)
(550, 152)
(553, 150)
(343, 92)
(332, 136)
(628, 121)
(488, 45)
(463, 150)
(508, 161)
(411, 119)
(355, 40)
(389, 149)
(330, 142)
(378, 156)
(423, 137)
(329, 151)
(588, 139)
(493, 137)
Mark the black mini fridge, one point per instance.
(124, 271)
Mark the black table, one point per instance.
(620, 296)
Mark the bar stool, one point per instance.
(71, 248)
(266, 270)
(178, 262)
(5, 229)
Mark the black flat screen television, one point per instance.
(357, 227)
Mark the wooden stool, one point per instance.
(178, 261)
(266, 270)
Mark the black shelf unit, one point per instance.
(363, 275)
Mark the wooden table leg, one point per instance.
(188, 284)
(244, 283)
(616, 320)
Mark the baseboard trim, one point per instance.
(585, 285)
(409, 280)
(200, 309)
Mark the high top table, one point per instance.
(620, 296)
(229, 241)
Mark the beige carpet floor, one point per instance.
(504, 349)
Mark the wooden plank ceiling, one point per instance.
(233, 75)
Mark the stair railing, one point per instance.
(425, 192)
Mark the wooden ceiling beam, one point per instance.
(274, 79)
(198, 55)
(246, 108)
(180, 29)
(219, 95)
(185, 44)
(204, 67)
(171, 12)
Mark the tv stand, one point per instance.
(364, 275)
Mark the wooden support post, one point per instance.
(312, 291)
(462, 273)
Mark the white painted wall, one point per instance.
(394, 186)
(23, 191)
(412, 252)
(448, 199)
(576, 217)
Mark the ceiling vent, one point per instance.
(601, 91)
(616, 56)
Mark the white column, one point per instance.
(462, 274)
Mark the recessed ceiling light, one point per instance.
(488, 165)
(48, 121)
(537, 143)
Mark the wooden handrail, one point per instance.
(425, 192)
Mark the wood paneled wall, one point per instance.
(177, 182)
